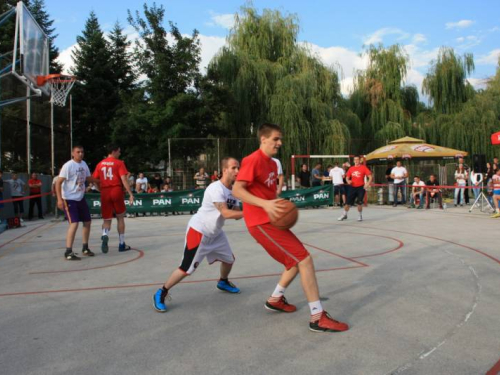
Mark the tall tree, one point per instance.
(122, 61)
(95, 95)
(37, 8)
(272, 78)
(446, 84)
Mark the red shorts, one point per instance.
(282, 245)
(112, 202)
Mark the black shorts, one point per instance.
(356, 194)
(338, 190)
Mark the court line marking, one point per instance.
(140, 255)
(17, 244)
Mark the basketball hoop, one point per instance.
(60, 85)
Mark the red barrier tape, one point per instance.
(431, 186)
(25, 198)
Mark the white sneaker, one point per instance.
(360, 218)
(343, 217)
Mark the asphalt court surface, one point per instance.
(420, 290)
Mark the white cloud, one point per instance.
(210, 45)
(478, 83)
(460, 39)
(378, 36)
(419, 38)
(462, 24)
(223, 20)
(489, 59)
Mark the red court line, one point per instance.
(495, 369)
(24, 234)
(337, 255)
(141, 254)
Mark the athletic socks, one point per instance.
(277, 294)
(105, 231)
(69, 250)
(122, 238)
(164, 292)
(226, 280)
(316, 310)
(85, 246)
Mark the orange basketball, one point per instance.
(289, 217)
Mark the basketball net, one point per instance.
(60, 86)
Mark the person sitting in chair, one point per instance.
(433, 192)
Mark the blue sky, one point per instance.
(335, 30)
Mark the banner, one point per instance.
(190, 200)
(316, 196)
(178, 201)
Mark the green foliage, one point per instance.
(446, 82)
(124, 73)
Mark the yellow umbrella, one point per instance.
(412, 148)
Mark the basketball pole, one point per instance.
(28, 130)
(52, 138)
(71, 123)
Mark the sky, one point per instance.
(336, 31)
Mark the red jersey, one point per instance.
(109, 172)
(260, 172)
(34, 190)
(357, 175)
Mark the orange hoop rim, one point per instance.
(43, 80)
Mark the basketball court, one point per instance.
(418, 288)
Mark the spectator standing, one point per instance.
(305, 177)
(35, 186)
(337, 175)
(356, 179)
(433, 192)
(327, 180)
(280, 177)
(474, 180)
(201, 178)
(157, 181)
(317, 176)
(215, 176)
(496, 193)
(17, 190)
(131, 182)
(399, 174)
(417, 190)
(461, 177)
(390, 183)
(464, 194)
(141, 184)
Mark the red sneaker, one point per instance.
(327, 324)
(280, 304)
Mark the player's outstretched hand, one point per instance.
(273, 209)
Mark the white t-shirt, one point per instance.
(208, 220)
(75, 174)
(143, 182)
(337, 174)
(419, 184)
(399, 173)
(278, 163)
(461, 177)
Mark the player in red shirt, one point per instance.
(112, 175)
(256, 188)
(356, 179)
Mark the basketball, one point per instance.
(288, 218)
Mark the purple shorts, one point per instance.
(76, 211)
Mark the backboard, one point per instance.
(31, 50)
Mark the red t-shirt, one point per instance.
(109, 171)
(34, 190)
(260, 172)
(357, 175)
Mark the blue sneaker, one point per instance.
(123, 247)
(227, 286)
(159, 301)
(104, 245)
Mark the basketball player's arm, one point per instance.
(127, 188)
(272, 207)
(369, 182)
(59, 183)
(280, 185)
(226, 212)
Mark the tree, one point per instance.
(272, 78)
(446, 84)
(121, 58)
(95, 95)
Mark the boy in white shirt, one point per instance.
(337, 175)
(399, 174)
(417, 190)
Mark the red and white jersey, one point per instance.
(357, 175)
(496, 182)
(109, 172)
(260, 172)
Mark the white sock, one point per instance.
(105, 231)
(122, 238)
(279, 291)
(344, 213)
(316, 308)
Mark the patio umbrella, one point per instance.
(413, 148)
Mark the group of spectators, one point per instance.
(18, 190)
(142, 184)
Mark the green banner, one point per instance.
(178, 201)
(190, 200)
(316, 196)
